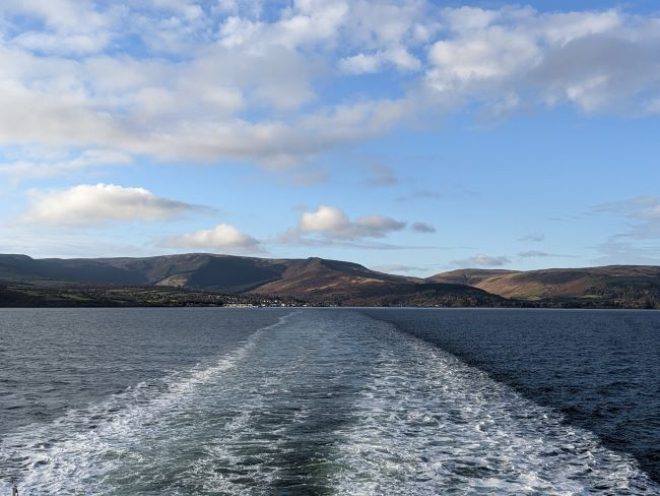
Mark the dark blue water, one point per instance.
(600, 368)
(324, 402)
(56, 360)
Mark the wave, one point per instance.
(322, 402)
(430, 424)
(77, 451)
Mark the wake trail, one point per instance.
(430, 424)
(320, 403)
(75, 453)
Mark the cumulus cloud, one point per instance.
(221, 237)
(68, 26)
(399, 58)
(595, 60)
(330, 225)
(332, 222)
(101, 203)
(481, 260)
(221, 81)
(422, 227)
(325, 219)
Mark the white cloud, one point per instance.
(220, 81)
(324, 219)
(188, 9)
(598, 61)
(69, 26)
(360, 64)
(489, 55)
(59, 14)
(87, 205)
(150, 108)
(28, 169)
(221, 237)
(333, 224)
(482, 260)
(399, 58)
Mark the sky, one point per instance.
(412, 137)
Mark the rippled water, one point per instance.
(601, 369)
(274, 402)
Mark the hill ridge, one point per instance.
(319, 280)
(609, 282)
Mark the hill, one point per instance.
(317, 280)
(635, 286)
(314, 280)
(192, 278)
(195, 270)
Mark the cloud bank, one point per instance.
(221, 237)
(88, 205)
(333, 223)
(185, 80)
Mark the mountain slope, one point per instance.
(317, 280)
(313, 279)
(323, 281)
(196, 270)
(616, 282)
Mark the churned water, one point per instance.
(601, 368)
(259, 402)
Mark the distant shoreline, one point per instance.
(202, 279)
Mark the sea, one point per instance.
(337, 401)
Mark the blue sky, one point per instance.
(412, 137)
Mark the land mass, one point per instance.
(198, 279)
(619, 286)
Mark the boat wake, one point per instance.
(323, 402)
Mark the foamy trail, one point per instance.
(301, 379)
(76, 453)
(429, 424)
(323, 402)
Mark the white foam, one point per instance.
(429, 424)
(424, 423)
(69, 456)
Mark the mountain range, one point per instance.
(614, 283)
(322, 281)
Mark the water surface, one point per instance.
(600, 368)
(218, 401)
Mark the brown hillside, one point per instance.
(588, 282)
